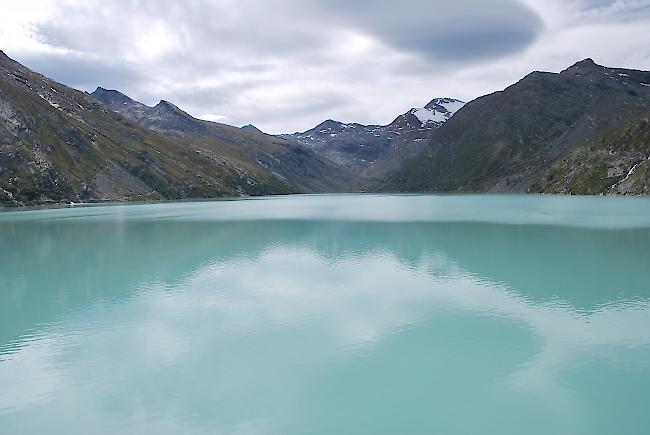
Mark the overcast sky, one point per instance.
(287, 65)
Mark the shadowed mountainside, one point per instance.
(507, 140)
(290, 162)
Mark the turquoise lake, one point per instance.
(342, 314)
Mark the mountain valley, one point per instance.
(581, 131)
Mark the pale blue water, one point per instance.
(328, 315)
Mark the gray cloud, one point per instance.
(84, 71)
(442, 31)
(195, 31)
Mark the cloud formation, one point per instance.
(286, 65)
(444, 32)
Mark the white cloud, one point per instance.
(213, 117)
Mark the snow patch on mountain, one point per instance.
(451, 105)
(427, 115)
(438, 111)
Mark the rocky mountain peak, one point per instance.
(110, 94)
(372, 151)
(437, 111)
(251, 127)
(167, 105)
(7, 61)
(588, 63)
(330, 123)
(583, 67)
(441, 102)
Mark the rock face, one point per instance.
(59, 144)
(164, 117)
(372, 151)
(614, 162)
(508, 140)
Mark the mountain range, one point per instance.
(579, 131)
(295, 165)
(585, 130)
(373, 151)
(58, 144)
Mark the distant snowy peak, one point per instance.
(438, 111)
(376, 150)
(445, 104)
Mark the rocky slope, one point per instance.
(505, 141)
(372, 151)
(614, 162)
(59, 144)
(288, 161)
(164, 117)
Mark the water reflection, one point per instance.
(322, 326)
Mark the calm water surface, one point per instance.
(328, 315)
